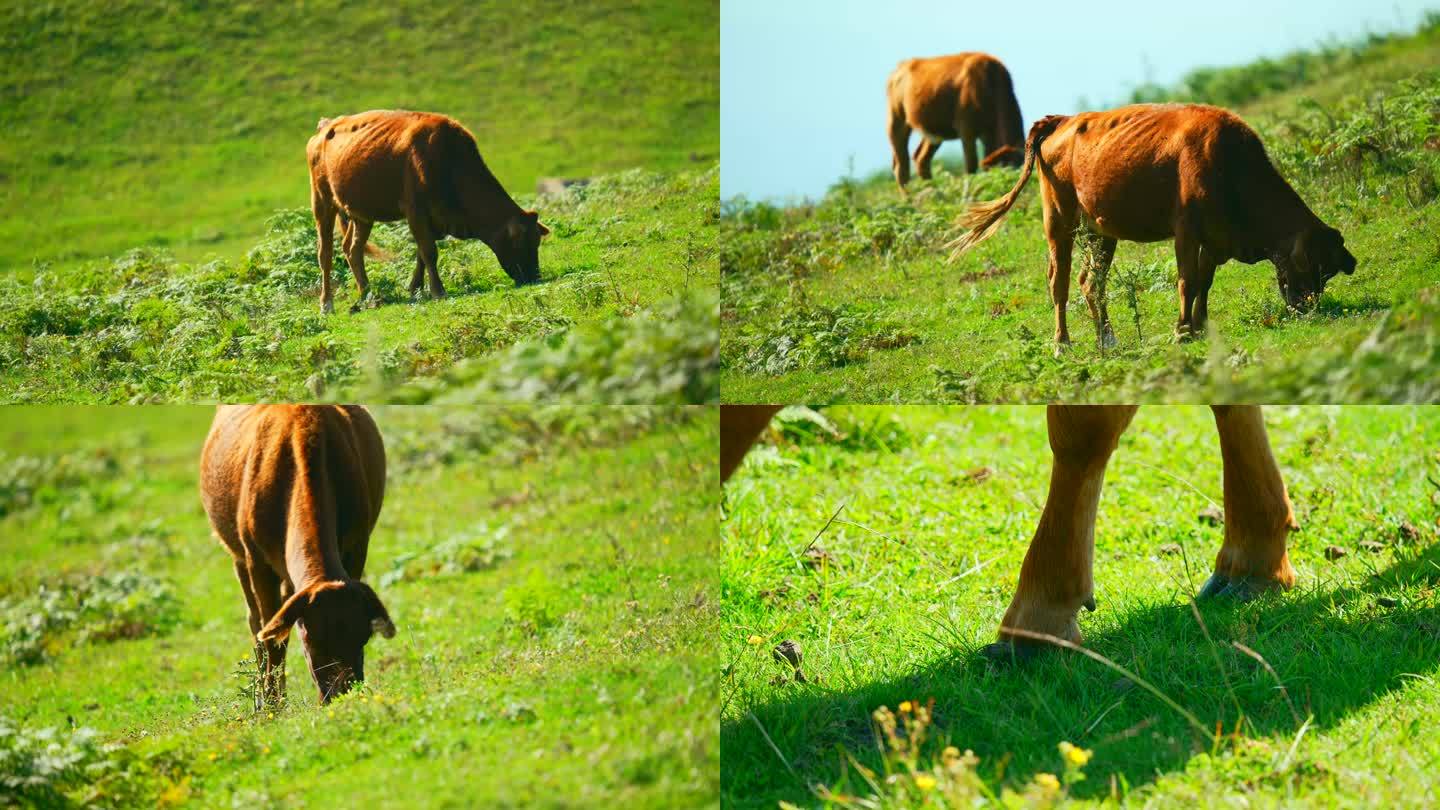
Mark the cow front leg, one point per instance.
(1056, 579)
(418, 277)
(266, 588)
(427, 253)
(1099, 254)
(1258, 519)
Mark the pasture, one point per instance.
(547, 570)
(886, 543)
(851, 298)
(158, 174)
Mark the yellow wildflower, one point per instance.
(924, 781)
(214, 756)
(756, 641)
(1075, 755)
(1047, 781)
(905, 706)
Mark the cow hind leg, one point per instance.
(1258, 518)
(355, 238)
(1056, 579)
(418, 277)
(899, 147)
(1060, 233)
(1099, 253)
(972, 157)
(924, 156)
(325, 232)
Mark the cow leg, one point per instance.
(972, 157)
(418, 277)
(1187, 260)
(355, 238)
(1257, 509)
(1060, 232)
(1056, 577)
(325, 229)
(265, 588)
(899, 146)
(924, 154)
(427, 252)
(740, 426)
(1100, 252)
(1204, 277)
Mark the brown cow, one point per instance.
(1056, 577)
(967, 96)
(387, 165)
(293, 491)
(1150, 172)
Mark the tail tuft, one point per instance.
(983, 219)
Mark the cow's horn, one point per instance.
(383, 626)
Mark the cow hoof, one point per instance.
(327, 307)
(1005, 653)
(356, 307)
(1107, 340)
(1240, 589)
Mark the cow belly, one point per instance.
(1129, 211)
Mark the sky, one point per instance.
(802, 82)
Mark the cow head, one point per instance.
(1318, 255)
(517, 246)
(335, 618)
(1005, 156)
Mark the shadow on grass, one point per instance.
(1335, 651)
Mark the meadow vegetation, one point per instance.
(547, 569)
(878, 547)
(162, 247)
(851, 298)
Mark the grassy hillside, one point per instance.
(182, 125)
(626, 312)
(546, 569)
(852, 299)
(886, 543)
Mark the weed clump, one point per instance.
(84, 610)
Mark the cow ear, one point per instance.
(380, 622)
(544, 231)
(535, 215)
(278, 628)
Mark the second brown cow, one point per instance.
(965, 96)
(293, 491)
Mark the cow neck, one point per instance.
(307, 568)
(1286, 216)
(489, 205)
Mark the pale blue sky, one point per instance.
(802, 82)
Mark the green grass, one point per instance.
(626, 312)
(183, 125)
(548, 571)
(851, 299)
(162, 248)
(935, 507)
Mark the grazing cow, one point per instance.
(293, 491)
(1150, 172)
(387, 165)
(967, 96)
(1056, 577)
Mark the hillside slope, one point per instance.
(185, 126)
(852, 298)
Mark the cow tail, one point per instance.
(983, 219)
